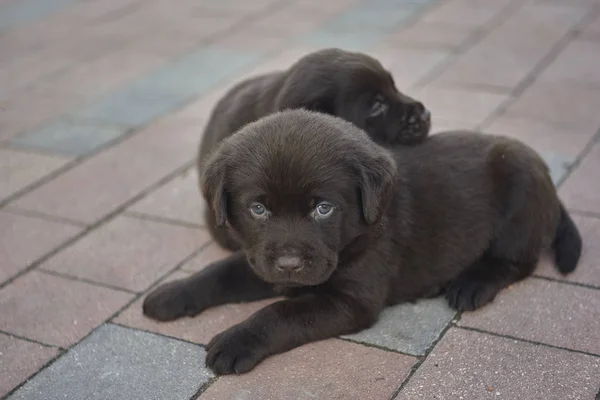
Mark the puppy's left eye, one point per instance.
(323, 210)
(378, 107)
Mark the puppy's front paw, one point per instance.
(235, 351)
(466, 294)
(170, 301)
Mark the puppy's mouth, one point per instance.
(417, 125)
(310, 275)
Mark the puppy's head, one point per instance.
(297, 187)
(355, 87)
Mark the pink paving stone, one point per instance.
(101, 184)
(211, 253)
(510, 52)
(543, 311)
(471, 13)
(592, 31)
(128, 253)
(577, 63)
(431, 34)
(543, 136)
(54, 310)
(19, 359)
(473, 365)
(199, 329)
(292, 20)
(249, 39)
(331, 369)
(579, 191)
(561, 103)
(23, 240)
(19, 169)
(198, 112)
(179, 199)
(588, 269)
(453, 104)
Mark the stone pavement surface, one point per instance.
(102, 104)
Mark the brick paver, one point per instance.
(102, 105)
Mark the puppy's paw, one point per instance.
(465, 294)
(235, 351)
(170, 301)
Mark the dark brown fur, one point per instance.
(464, 213)
(332, 81)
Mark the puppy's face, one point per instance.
(356, 87)
(297, 189)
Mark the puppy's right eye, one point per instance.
(258, 210)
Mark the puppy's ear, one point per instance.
(311, 94)
(212, 185)
(377, 176)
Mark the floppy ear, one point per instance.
(212, 185)
(311, 94)
(377, 180)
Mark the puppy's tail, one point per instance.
(567, 243)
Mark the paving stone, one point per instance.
(465, 13)
(19, 359)
(430, 34)
(115, 176)
(592, 31)
(289, 21)
(179, 199)
(121, 363)
(543, 136)
(351, 41)
(345, 371)
(561, 103)
(199, 329)
(473, 365)
(578, 191)
(559, 165)
(467, 106)
(543, 311)
(577, 63)
(211, 253)
(56, 311)
(70, 136)
(19, 169)
(24, 239)
(128, 253)
(510, 52)
(410, 328)
(587, 271)
(369, 17)
(16, 13)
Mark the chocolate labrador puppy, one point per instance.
(353, 86)
(344, 228)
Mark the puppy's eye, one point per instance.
(258, 210)
(378, 107)
(323, 210)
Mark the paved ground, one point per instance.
(101, 108)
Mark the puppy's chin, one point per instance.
(314, 274)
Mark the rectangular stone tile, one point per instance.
(179, 199)
(559, 103)
(199, 329)
(99, 185)
(55, 310)
(19, 169)
(430, 34)
(576, 63)
(467, 106)
(24, 240)
(70, 136)
(558, 164)
(289, 21)
(370, 17)
(128, 253)
(587, 271)
(121, 363)
(466, 13)
(543, 311)
(209, 254)
(472, 365)
(352, 41)
(543, 136)
(19, 359)
(511, 51)
(592, 31)
(330, 369)
(19, 12)
(579, 191)
(410, 328)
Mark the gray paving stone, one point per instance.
(409, 328)
(16, 13)
(121, 363)
(70, 136)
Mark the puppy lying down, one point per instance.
(344, 228)
(353, 86)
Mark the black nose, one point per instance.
(288, 263)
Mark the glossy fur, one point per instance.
(463, 214)
(333, 81)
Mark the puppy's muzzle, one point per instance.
(289, 263)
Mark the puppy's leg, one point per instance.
(481, 282)
(221, 235)
(230, 280)
(283, 326)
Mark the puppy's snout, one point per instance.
(425, 115)
(288, 263)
